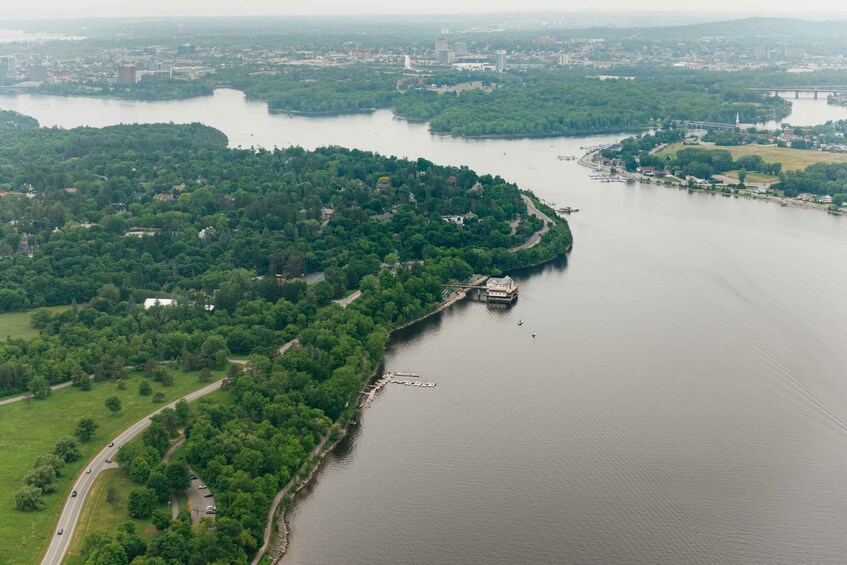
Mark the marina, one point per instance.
(391, 377)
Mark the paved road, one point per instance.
(73, 507)
(23, 396)
(535, 238)
(348, 300)
(288, 345)
(198, 500)
(166, 459)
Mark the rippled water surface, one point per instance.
(684, 400)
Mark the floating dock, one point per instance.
(390, 377)
(414, 383)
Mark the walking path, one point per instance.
(166, 459)
(23, 396)
(275, 505)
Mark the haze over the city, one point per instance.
(108, 8)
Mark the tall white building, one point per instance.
(500, 65)
(8, 66)
(461, 48)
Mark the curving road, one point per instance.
(535, 238)
(73, 507)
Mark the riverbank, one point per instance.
(586, 161)
(276, 544)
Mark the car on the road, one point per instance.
(210, 507)
(60, 531)
(210, 511)
(208, 495)
(201, 486)
(192, 477)
(108, 460)
(73, 494)
(111, 444)
(88, 472)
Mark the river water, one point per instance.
(684, 400)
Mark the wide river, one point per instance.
(684, 401)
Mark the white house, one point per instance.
(163, 302)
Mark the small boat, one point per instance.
(533, 334)
(520, 322)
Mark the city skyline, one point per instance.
(105, 8)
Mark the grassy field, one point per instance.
(98, 515)
(791, 159)
(17, 324)
(755, 178)
(28, 430)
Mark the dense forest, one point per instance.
(532, 103)
(10, 120)
(166, 209)
(566, 103)
(820, 179)
(144, 90)
(104, 218)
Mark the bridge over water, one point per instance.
(826, 89)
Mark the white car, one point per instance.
(201, 486)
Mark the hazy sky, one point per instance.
(54, 8)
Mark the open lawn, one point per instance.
(755, 178)
(18, 325)
(98, 515)
(30, 429)
(791, 159)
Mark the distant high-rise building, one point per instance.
(127, 74)
(186, 50)
(564, 59)
(500, 65)
(443, 57)
(461, 49)
(8, 67)
(37, 73)
(441, 44)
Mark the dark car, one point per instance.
(192, 477)
(208, 495)
(73, 494)
(108, 460)
(60, 531)
(111, 444)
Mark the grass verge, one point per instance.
(30, 429)
(98, 515)
(18, 325)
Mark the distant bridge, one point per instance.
(710, 125)
(798, 89)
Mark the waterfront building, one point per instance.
(8, 67)
(37, 73)
(501, 290)
(127, 74)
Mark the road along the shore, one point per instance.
(535, 238)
